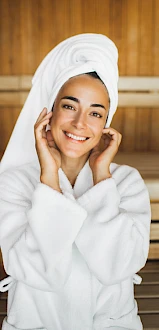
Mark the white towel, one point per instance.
(76, 55)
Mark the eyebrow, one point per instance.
(72, 98)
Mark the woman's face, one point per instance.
(79, 115)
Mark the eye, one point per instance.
(96, 114)
(66, 106)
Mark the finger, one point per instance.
(50, 139)
(40, 129)
(113, 134)
(44, 114)
(48, 116)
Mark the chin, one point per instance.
(74, 154)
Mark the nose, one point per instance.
(79, 121)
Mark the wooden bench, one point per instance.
(148, 166)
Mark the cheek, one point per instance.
(98, 130)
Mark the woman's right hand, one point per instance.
(49, 156)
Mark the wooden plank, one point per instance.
(145, 37)
(15, 83)
(126, 84)
(125, 99)
(7, 120)
(154, 136)
(151, 266)
(14, 99)
(76, 8)
(116, 30)
(153, 188)
(156, 38)
(129, 129)
(102, 18)
(145, 100)
(155, 211)
(150, 277)
(138, 83)
(154, 251)
(3, 305)
(132, 47)
(154, 231)
(147, 163)
(150, 320)
(9, 83)
(5, 40)
(146, 305)
(149, 291)
(14, 45)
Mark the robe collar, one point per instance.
(84, 181)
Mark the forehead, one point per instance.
(84, 85)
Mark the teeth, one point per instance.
(79, 138)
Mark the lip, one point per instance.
(73, 140)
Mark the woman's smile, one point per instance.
(75, 138)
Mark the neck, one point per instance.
(72, 167)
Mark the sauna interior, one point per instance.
(29, 29)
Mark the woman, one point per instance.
(74, 225)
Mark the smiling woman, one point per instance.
(78, 120)
(74, 225)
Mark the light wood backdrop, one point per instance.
(29, 29)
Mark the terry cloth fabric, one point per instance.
(73, 257)
(76, 55)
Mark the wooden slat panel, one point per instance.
(154, 233)
(154, 251)
(145, 100)
(148, 305)
(155, 211)
(154, 136)
(132, 38)
(138, 83)
(127, 84)
(129, 129)
(150, 291)
(155, 37)
(144, 161)
(125, 99)
(153, 188)
(151, 266)
(13, 99)
(142, 131)
(75, 9)
(3, 305)
(7, 120)
(150, 278)
(145, 37)
(5, 39)
(42, 24)
(150, 320)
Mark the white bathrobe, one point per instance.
(73, 257)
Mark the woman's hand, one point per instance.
(103, 154)
(49, 156)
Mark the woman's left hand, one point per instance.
(103, 154)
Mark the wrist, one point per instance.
(51, 181)
(99, 176)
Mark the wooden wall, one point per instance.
(29, 29)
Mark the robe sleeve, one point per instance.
(37, 229)
(114, 239)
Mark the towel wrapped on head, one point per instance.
(76, 55)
